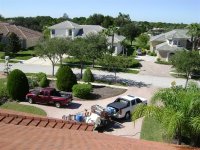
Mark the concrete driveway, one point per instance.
(129, 130)
(149, 67)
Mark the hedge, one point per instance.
(17, 85)
(88, 76)
(81, 90)
(65, 78)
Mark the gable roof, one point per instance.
(88, 29)
(117, 38)
(166, 47)
(177, 33)
(32, 137)
(85, 30)
(65, 25)
(21, 32)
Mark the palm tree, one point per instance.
(111, 32)
(177, 109)
(194, 32)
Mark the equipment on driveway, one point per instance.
(97, 116)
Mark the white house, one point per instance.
(166, 44)
(73, 30)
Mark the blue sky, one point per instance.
(180, 11)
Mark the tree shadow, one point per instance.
(110, 79)
(73, 105)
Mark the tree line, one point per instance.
(38, 23)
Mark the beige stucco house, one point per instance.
(73, 30)
(28, 37)
(166, 44)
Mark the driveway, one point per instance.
(129, 130)
(149, 67)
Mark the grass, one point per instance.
(163, 62)
(132, 71)
(3, 81)
(23, 108)
(1, 55)
(24, 55)
(151, 130)
(21, 55)
(10, 61)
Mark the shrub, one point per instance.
(44, 82)
(88, 76)
(65, 78)
(17, 85)
(40, 76)
(153, 54)
(32, 83)
(134, 63)
(3, 92)
(81, 90)
(158, 59)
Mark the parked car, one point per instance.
(195, 74)
(139, 52)
(123, 106)
(49, 96)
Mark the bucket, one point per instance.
(79, 117)
(110, 110)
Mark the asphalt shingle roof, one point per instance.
(166, 47)
(65, 25)
(177, 33)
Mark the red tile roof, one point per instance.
(21, 32)
(24, 120)
(41, 135)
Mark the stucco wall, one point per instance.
(153, 45)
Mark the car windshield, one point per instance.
(121, 100)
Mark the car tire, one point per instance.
(57, 104)
(128, 116)
(30, 100)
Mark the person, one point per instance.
(86, 113)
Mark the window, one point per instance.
(133, 102)
(179, 43)
(175, 42)
(70, 32)
(41, 93)
(138, 100)
(46, 93)
(53, 31)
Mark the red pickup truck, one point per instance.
(49, 96)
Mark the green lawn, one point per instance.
(10, 61)
(23, 108)
(21, 55)
(151, 130)
(24, 55)
(1, 55)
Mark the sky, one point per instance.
(175, 11)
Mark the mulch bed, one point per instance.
(99, 92)
(102, 92)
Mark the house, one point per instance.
(26, 131)
(28, 37)
(73, 30)
(166, 44)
